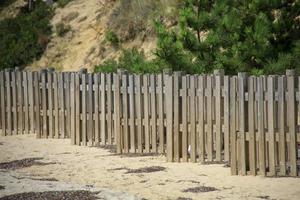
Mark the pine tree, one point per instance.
(261, 36)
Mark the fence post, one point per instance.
(292, 120)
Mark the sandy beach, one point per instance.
(75, 167)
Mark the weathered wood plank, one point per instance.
(19, 99)
(261, 131)
(109, 108)
(26, 104)
(37, 95)
(282, 124)
(125, 113)
(146, 112)
(242, 122)
(184, 111)
(77, 109)
(44, 103)
(90, 107)
(169, 108)
(226, 118)
(117, 113)
(271, 126)
(31, 101)
(14, 102)
(201, 86)
(139, 112)
(56, 105)
(153, 113)
(67, 93)
(292, 124)
(161, 126)
(72, 109)
(131, 114)
(233, 125)
(193, 118)
(103, 109)
(96, 109)
(251, 125)
(176, 116)
(218, 107)
(84, 109)
(61, 101)
(3, 104)
(209, 131)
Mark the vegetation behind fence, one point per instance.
(250, 122)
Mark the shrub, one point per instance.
(131, 60)
(112, 37)
(61, 29)
(254, 36)
(24, 37)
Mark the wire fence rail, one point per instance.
(250, 122)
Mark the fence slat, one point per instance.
(14, 102)
(193, 118)
(251, 125)
(201, 82)
(169, 108)
(72, 109)
(83, 110)
(271, 129)
(292, 124)
(3, 105)
(44, 104)
(184, 111)
(218, 107)
(209, 131)
(31, 101)
(261, 131)
(77, 109)
(146, 113)
(56, 107)
(67, 104)
(117, 114)
(282, 125)
(153, 112)
(103, 109)
(96, 109)
(226, 119)
(233, 126)
(19, 107)
(90, 102)
(125, 113)
(26, 105)
(161, 127)
(139, 114)
(242, 131)
(109, 108)
(50, 108)
(176, 116)
(61, 101)
(131, 114)
(37, 104)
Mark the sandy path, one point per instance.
(93, 166)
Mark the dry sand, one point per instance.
(94, 167)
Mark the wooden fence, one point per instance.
(250, 122)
